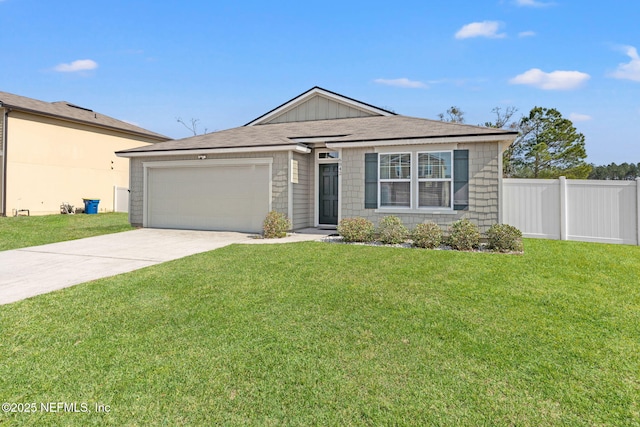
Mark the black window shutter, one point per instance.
(371, 181)
(460, 180)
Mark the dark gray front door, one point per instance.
(328, 194)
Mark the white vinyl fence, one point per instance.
(120, 199)
(586, 210)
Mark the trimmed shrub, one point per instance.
(464, 235)
(275, 225)
(391, 231)
(505, 238)
(427, 235)
(356, 230)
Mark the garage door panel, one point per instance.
(221, 197)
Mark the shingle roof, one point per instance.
(68, 111)
(365, 129)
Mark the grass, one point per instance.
(22, 231)
(326, 334)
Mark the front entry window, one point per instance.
(328, 155)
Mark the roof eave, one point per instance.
(157, 137)
(301, 148)
(441, 139)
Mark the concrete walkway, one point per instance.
(37, 270)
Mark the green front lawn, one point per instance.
(327, 334)
(22, 231)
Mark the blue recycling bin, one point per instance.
(91, 206)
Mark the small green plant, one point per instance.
(427, 235)
(464, 235)
(275, 225)
(356, 230)
(505, 238)
(391, 230)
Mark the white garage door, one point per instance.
(215, 196)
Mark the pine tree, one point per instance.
(548, 146)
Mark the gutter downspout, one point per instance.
(5, 136)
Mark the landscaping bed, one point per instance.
(462, 235)
(408, 244)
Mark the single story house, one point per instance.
(55, 152)
(318, 158)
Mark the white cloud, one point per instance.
(526, 34)
(78, 65)
(402, 82)
(577, 117)
(631, 69)
(480, 29)
(555, 80)
(532, 3)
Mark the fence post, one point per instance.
(638, 211)
(563, 208)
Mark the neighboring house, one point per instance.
(318, 158)
(58, 152)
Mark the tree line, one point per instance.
(624, 171)
(547, 146)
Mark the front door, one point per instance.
(328, 203)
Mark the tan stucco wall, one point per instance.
(2, 118)
(52, 161)
(2, 110)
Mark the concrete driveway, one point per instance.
(37, 270)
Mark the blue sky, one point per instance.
(149, 62)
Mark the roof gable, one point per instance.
(319, 104)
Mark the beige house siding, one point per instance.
(279, 183)
(483, 189)
(484, 184)
(303, 192)
(319, 108)
(50, 161)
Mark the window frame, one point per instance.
(328, 155)
(449, 180)
(414, 181)
(393, 180)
